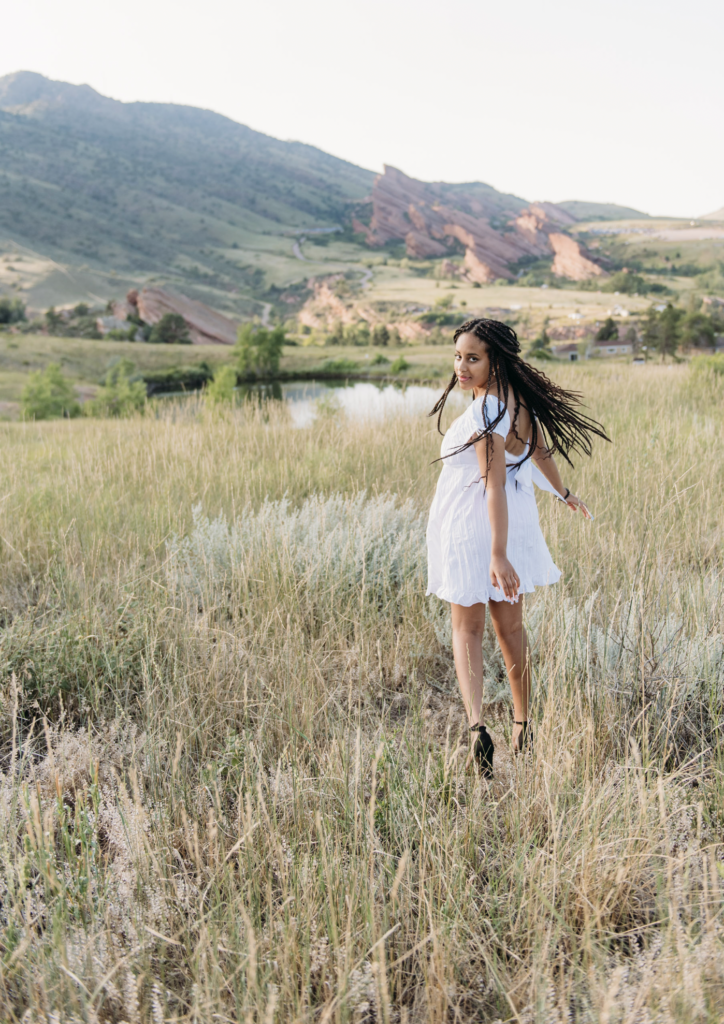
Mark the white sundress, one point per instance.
(459, 539)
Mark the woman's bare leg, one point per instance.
(513, 639)
(468, 625)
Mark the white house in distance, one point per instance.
(612, 347)
(567, 350)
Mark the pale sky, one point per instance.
(612, 102)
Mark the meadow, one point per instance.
(232, 782)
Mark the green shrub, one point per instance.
(400, 364)
(120, 395)
(221, 389)
(357, 334)
(118, 334)
(541, 347)
(698, 330)
(179, 378)
(336, 336)
(339, 366)
(48, 395)
(75, 323)
(171, 329)
(379, 360)
(12, 311)
(713, 364)
(259, 350)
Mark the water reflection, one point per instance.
(358, 400)
(306, 400)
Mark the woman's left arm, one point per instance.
(543, 458)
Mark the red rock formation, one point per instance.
(361, 229)
(324, 308)
(206, 326)
(570, 260)
(421, 245)
(551, 212)
(404, 208)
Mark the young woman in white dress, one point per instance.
(484, 542)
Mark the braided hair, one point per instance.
(553, 413)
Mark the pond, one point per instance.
(356, 399)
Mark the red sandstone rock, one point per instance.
(421, 245)
(570, 260)
(551, 212)
(361, 229)
(404, 208)
(324, 308)
(206, 326)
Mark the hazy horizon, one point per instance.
(567, 104)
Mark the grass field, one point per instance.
(233, 782)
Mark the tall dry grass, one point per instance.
(232, 783)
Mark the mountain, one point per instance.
(716, 215)
(152, 187)
(601, 211)
(98, 197)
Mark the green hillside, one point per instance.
(128, 189)
(601, 211)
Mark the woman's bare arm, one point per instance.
(543, 458)
(502, 574)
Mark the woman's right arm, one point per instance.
(502, 574)
(543, 458)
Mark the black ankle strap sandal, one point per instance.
(483, 750)
(525, 740)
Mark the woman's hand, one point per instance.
(504, 577)
(574, 502)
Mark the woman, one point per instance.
(483, 538)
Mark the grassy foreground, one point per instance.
(233, 781)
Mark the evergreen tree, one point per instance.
(608, 331)
(171, 329)
(541, 347)
(669, 332)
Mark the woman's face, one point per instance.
(472, 364)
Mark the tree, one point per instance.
(380, 335)
(697, 331)
(120, 394)
(259, 350)
(12, 311)
(626, 283)
(541, 347)
(650, 336)
(53, 320)
(337, 335)
(221, 389)
(669, 331)
(608, 331)
(631, 338)
(171, 329)
(48, 395)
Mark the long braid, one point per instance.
(553, 413)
